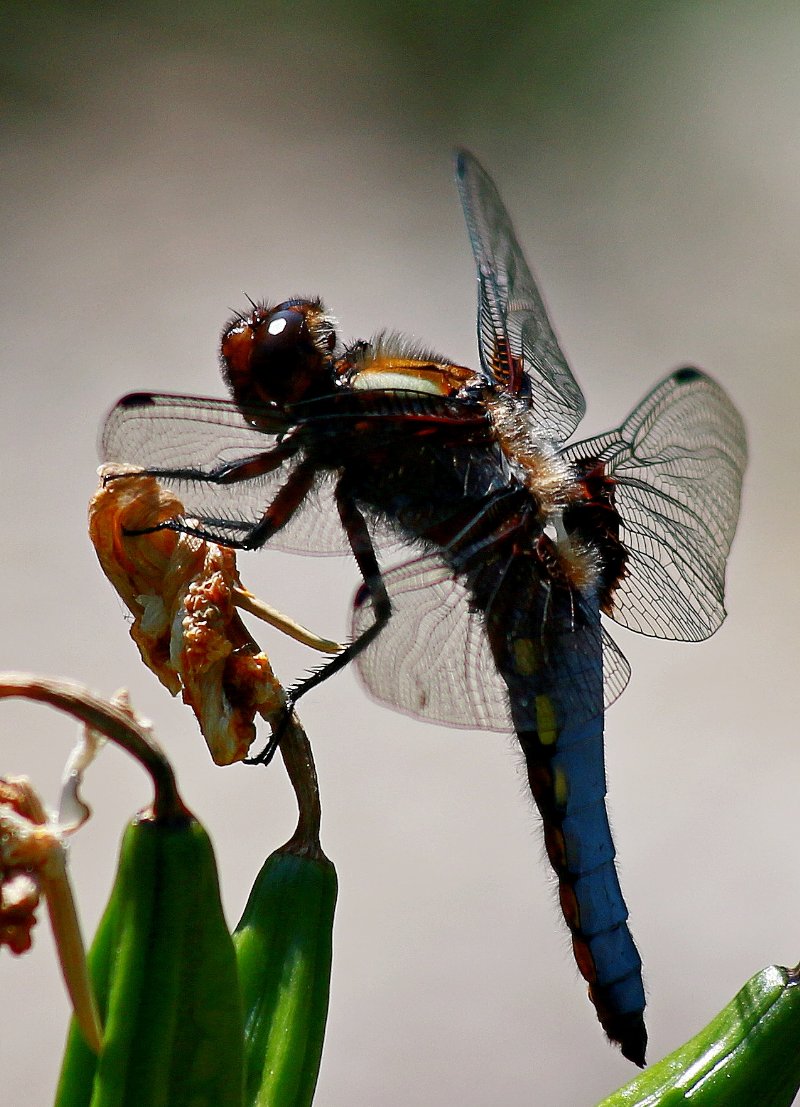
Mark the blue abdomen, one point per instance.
(547, 645)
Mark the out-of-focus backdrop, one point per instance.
(163, 161)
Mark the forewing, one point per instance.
(678, 462)
(514, 332)
(161, 432)
(433, 660)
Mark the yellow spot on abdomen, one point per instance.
(546, 723)
(524, 656)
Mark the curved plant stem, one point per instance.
(299, 761)
(115, 722)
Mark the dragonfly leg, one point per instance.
(287, 500)
(364, 552)
(271, 748)
(361, 544)
(265, 461)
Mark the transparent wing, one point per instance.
(678, 462)
(433, 660)
(514, 332)
(196, 435)
(616, 669)
(166, 431)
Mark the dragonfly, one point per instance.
(516, 545)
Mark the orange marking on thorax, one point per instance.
(390, 371)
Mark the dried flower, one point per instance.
(183, 594)
(32, 865)
(26, 843)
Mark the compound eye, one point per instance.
(282, 332)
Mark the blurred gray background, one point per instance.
(162, 161)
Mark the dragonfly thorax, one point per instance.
(554, 484)
(572, 559)
(534, 461)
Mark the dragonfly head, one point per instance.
(278, 355)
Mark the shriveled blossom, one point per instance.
(182, 593)
(33, 866)
(26, 844)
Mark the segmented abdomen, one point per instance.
(547, 646)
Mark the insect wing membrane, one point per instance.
(677, 462)
(514, 332)
(183, 440)
(434, 660)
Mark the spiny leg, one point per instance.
(281, 509)
(231, 472)
(358, 536)
(364, 552)
(267, 461)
